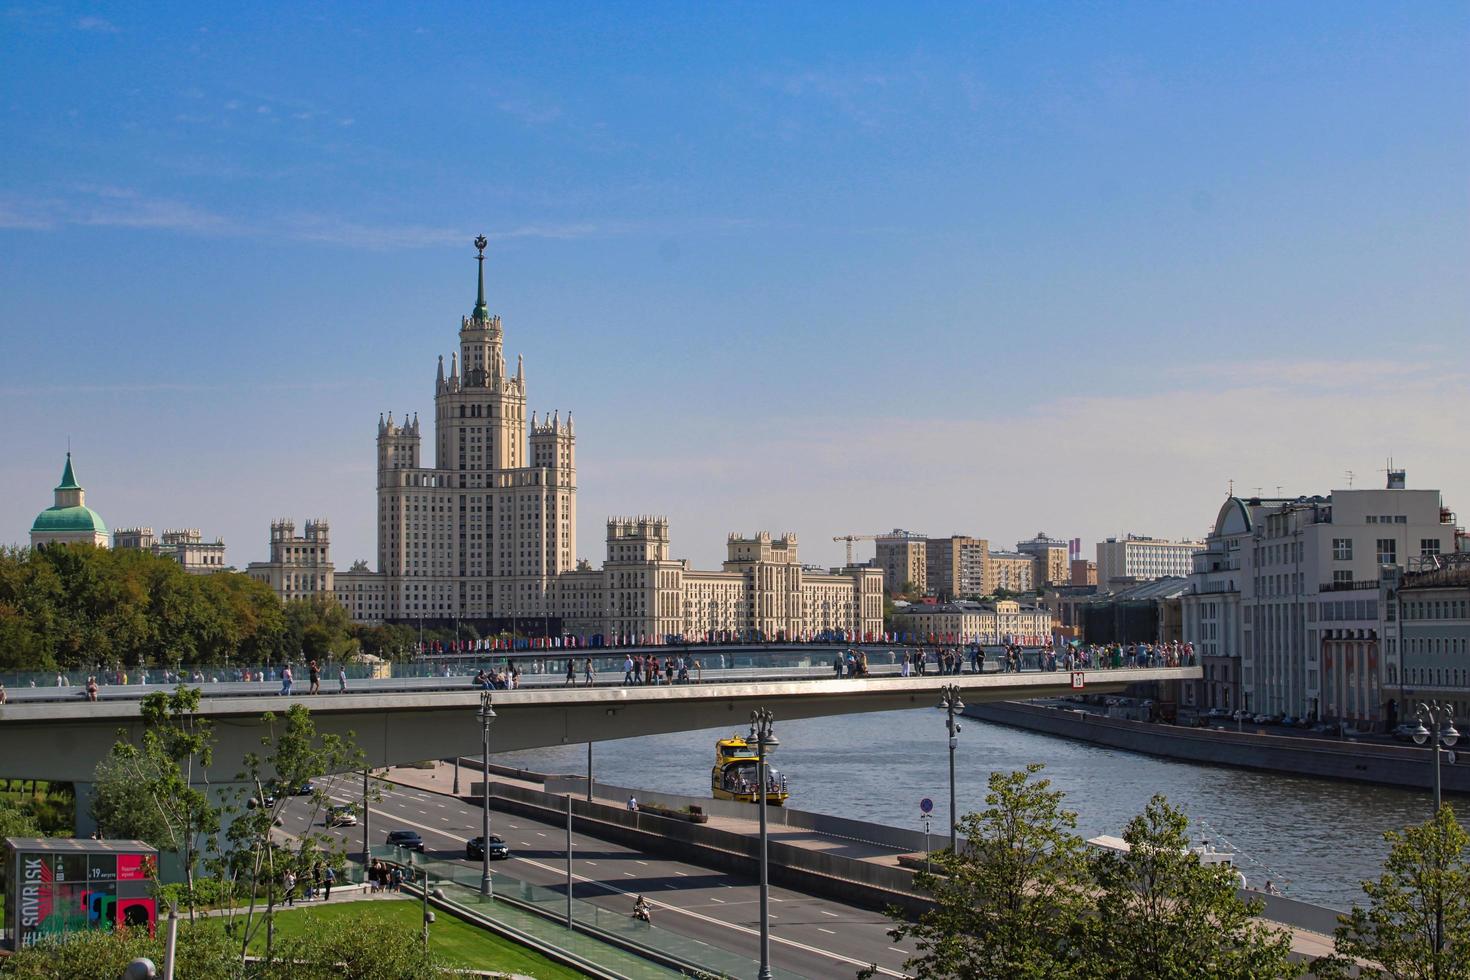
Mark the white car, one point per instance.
(342, 816)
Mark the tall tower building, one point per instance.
(483, 532)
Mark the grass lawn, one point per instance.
(460, 943)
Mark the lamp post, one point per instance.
(1441, 730)
(761, 722)
(949, 700)
(1442, 733)
(486, 715)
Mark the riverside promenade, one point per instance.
(854, 862)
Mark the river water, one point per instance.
(1320, 838)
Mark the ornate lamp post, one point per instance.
(761, 722)
(486, 715)
(949, 700)
(1441, 729)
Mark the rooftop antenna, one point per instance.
(1278, 489)
(1230, 488)
(1257, 490)
(1350, 476)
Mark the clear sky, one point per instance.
(832, 268)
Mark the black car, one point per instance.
(474, 849)
(409, 839)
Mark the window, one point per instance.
(1342, 549)
(1429, 547)
(1342, 577)
(1388, 551)
(1401, 519)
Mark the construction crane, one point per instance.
(850, 538)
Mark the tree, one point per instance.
(296, 756)
(147, 791)
(1008, 906)
(1164, 915)
(16, 822)
(1417, 923)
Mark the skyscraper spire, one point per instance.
(482, 312)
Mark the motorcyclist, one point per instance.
(642, 910)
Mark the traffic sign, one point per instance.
(926, 805)
(1079, 680)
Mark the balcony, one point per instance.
(1349, 586)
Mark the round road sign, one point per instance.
(926, 805)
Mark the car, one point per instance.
(268, 800)
(305, 789)
(474, 849)
(408, 839)
(1405, 732)
(1262, 719)
(1241, 715)
(1217, 713)
(342, 816)
(1288, 721)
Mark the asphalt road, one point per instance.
(811, 936)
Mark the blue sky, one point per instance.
(978, 268)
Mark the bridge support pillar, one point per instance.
(85, 825)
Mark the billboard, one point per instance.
(57, 886)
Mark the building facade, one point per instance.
(1004, 621)
(187, 547)
(300, 567)
(1288, 603)
(1009, 570)
(1433, 613)
(1082, 572)
(486, 533)
(955, 566)
(69, 520)
(1050, 559)
(1137, 558)
(904, 558)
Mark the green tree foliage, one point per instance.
(151, 791)
(75, 606)
(1008, 907)
(319, 629)
(294, 755)
(1164, 915)
(17, 822)
(1416, 925)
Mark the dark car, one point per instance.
(267, 800)
(409, 839)
(474, 849)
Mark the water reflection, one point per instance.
(1322, 837)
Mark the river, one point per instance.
(1319, 838)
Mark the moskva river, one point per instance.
(1318, 838)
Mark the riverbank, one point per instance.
(1345, 760)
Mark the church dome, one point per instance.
(69, 519)
(70, 513)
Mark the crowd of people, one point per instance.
(315, 883)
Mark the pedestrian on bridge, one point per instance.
(627, 670)
(286, 681)
(315, 675)
(341, 686)
(571, 673)
(587, 672)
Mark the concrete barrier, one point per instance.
(1364, 762)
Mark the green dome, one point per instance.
(69, 519)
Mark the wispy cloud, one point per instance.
(97, 25)
(111, 207)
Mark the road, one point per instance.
(810, 936)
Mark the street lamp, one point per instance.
(1441, 730)
(949, 700)
(486, 715)
(761, 722)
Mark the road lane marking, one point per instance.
(832, 914)
(827, 931)
(629, 874)
(681, 874)
(644, 863)
(861, 964)
(720, 900)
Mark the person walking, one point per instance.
(342, 680)
(587, 672)
(286, 681)
(288, 883)
(571, 673)
(314, 674)
(627, 670)
(328, 878)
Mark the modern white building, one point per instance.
(1286, 606)
(1137, 558)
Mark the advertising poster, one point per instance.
(56, 893)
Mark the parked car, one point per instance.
(266, 799)
(1240, 714)
(474, 849)
(1405, 732)
(1217, 713)
(1289, 721)
(342, 816)
(1261, 719)
(408, 839)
